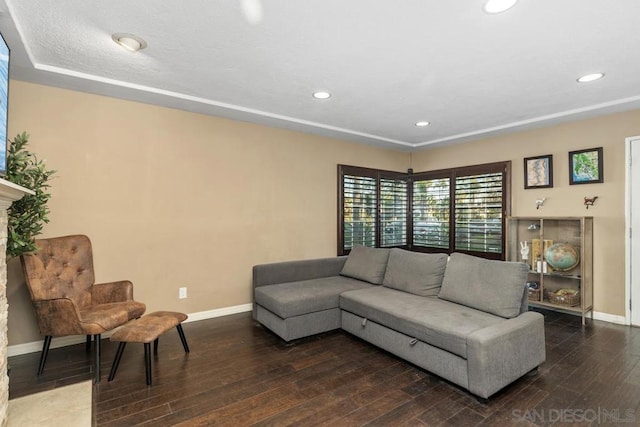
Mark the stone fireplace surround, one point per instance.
(9, 192)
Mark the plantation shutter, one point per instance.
(478, 213)
(372, 208)
(431, 207)
(359, 211)
(393, 212)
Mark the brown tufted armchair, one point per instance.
(60, 279)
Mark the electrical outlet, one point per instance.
(182, 293)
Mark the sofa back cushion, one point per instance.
(415, 272)
(491, 286)
(368, 264)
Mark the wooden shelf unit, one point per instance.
(577, 232)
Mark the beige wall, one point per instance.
(564, 199)
(172, 199)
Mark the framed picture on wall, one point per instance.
(585, 166)
(538, 172)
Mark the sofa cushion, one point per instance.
(434, 321)
(368, 264)
(415, 272)
(306, 296)
(492, 286)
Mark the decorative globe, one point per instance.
(562, 256)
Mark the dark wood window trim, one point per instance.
(453, 174)
(503, 168)
(376, 175)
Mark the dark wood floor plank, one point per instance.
(449, 406)
(388, 400)
(413, 408)
(351, 396)
(136, 418)
(295, 414)
(239, 373)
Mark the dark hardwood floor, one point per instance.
(241, 374)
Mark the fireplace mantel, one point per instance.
(9, 193)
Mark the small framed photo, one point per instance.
(585, 166)
(538, 172)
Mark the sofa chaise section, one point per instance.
(300, 298)
(297, 309)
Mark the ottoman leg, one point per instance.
(155, 346)
(116, 361)
(183, 338)
(147, 361)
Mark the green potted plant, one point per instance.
(27, 215)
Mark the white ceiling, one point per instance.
(388, 64)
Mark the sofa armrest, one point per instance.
(105, 293)
(58, 317)
(293, 271)
(499, 354)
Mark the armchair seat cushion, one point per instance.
(104, 317)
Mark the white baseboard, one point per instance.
(219, 312)
(597, 315)
(32, 347)
(36, 346)
(611, 318)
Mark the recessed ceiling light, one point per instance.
(422, 124)
(498, 6)
(590, 77)
(321, 94)
(129, 41)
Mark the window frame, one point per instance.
(376, 174)
(503, 167)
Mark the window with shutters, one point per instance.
(431, 212)
(479, 213)
(360, 210)
(461, 210)
(372, 208)
(452, 210)
(393, 212)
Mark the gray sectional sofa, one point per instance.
(461, 317)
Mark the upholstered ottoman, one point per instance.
(145, 330)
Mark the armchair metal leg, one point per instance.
(155, 346)
(88, 346)
(96, 338)
(45, 353)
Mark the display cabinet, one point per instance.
(559, 253)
